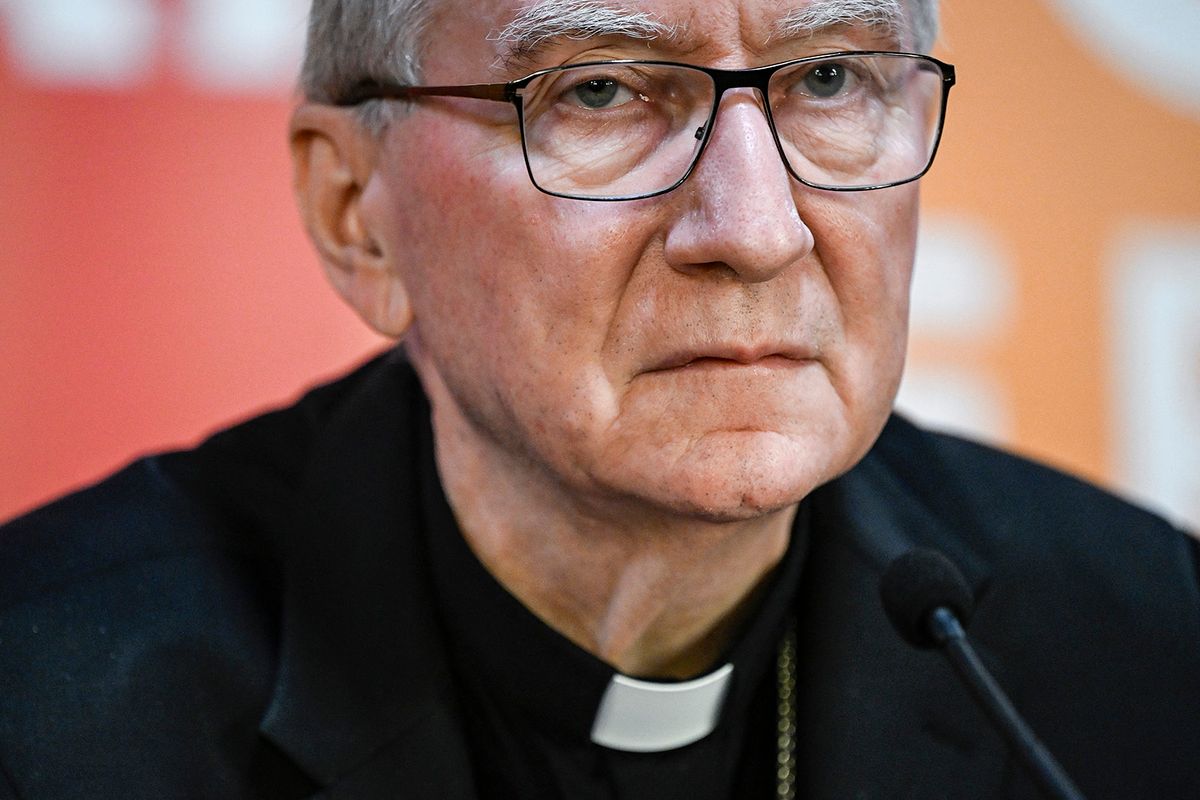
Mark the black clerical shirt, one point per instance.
(529, 696)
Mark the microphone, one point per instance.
(928, 602)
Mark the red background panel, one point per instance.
(154, 278)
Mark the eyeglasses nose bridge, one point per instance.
(753, 80)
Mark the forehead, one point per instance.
(516, 32)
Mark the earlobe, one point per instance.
(334, 170)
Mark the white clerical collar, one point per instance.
(646, 717)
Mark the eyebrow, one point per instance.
(538, 25)
(885, 17)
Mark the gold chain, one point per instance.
(785, 753)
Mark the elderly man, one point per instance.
(611, 522)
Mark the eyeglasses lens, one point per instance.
(625, 130)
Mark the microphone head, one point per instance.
(914, 585)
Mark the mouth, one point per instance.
(732, 358)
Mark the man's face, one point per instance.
(718, 351)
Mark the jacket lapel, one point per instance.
(363, 703)
(878, 718)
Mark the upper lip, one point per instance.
(741, 354)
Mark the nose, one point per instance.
(738, 208)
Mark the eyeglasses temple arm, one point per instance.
(502, 92)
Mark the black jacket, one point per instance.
(252, 619)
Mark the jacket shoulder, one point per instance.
(1008, 495)
(231, 493)
(145, 611)
(1063, 539)
(1087, 607)
(129, 619)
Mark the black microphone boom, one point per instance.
(925, 596)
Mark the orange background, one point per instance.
(155, 283)
(1055, 152)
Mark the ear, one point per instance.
(334, 161)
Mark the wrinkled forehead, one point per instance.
(519, 31)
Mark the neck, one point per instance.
(654, 594)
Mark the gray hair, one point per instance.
(350, 41)
(924, 24)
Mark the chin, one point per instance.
(733, 510)
(731, 502)
(736, 477)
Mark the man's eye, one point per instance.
(599, 93)
(826, 80)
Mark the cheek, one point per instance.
(452, 218)
(867, 247)
(514, 292)
(867, 242)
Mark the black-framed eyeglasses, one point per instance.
(629, 129)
